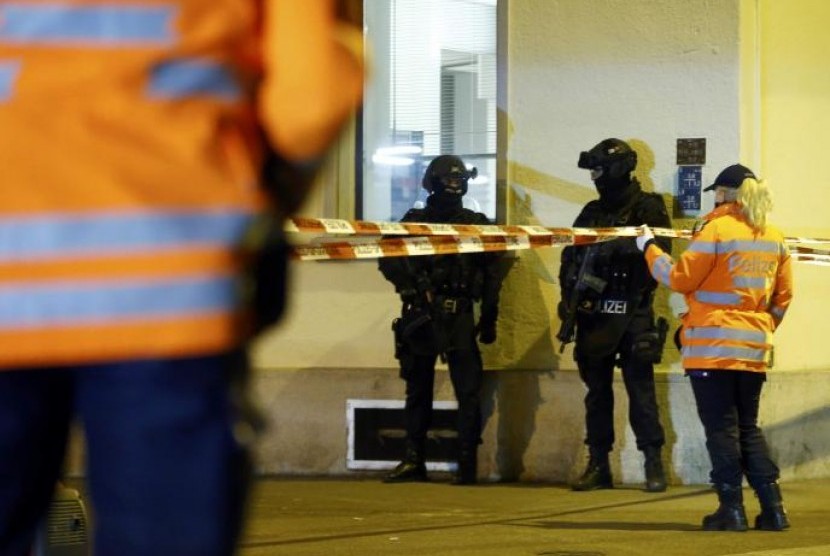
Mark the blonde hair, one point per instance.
(756, 201)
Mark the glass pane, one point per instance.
(432, 91)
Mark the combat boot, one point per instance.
(597, 475)
(467, 467)
(655, 476)
(773, 516)
(412, 469)
(730, 515)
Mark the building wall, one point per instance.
(745, 75)
(794, 115)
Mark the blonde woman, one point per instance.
(737, 280)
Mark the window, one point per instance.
(432, 91)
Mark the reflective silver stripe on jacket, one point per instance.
(718, 298)
(724, 333)
(720, 352)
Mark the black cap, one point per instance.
(733, 176)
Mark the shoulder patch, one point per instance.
(413, 215)
(650, 209)
(481, 218)
(589, 213)
(657, 199)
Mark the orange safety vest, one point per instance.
(129, 156)
(738, 285)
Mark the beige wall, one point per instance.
(794, 91)
(579, 72)
(749, 76)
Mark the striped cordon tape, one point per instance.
(355, 239)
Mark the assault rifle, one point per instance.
(585, 281)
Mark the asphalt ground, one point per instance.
(366, 517)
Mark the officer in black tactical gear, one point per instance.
(607, 295)
(437, 318)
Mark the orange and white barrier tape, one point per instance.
(332, 226)
(449, 244)
(445, 239)
(427, 245)
(810, 255)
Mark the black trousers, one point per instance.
(598, 375)
(466, 371)
(727, 403)
(165, 472)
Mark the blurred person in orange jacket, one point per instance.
(737, 280)
(133, 138)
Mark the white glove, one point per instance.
(645, 236)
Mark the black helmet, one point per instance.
(447, 173)
(614, 156)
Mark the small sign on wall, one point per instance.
(691, 152)
(691, 156)
(689, 187)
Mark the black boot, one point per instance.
(730, 515)
(655, 476)
(412, 469)
(597, 475)
(467, 467)
(773, 517)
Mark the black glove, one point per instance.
(486, 331)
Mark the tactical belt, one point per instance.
(452, 305)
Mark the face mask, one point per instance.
(611, 190)
(453, 185)
(445, 199)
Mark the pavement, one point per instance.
(302, 516)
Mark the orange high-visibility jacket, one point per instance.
(130, 142)
(738, 285)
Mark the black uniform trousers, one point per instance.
(466, 371)
(727, 403)
(598, 375)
